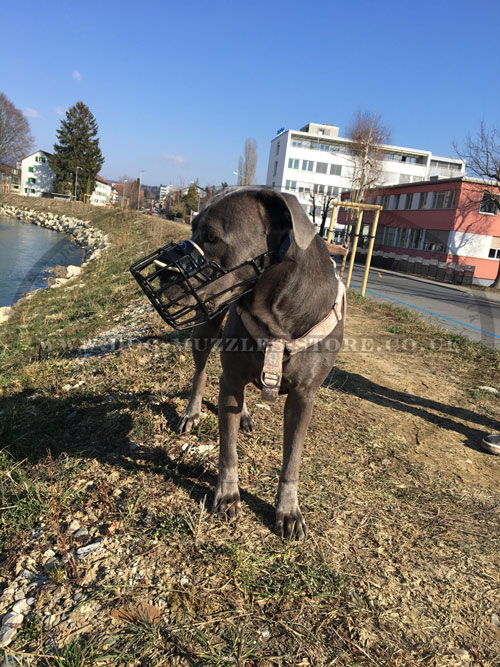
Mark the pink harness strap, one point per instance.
(272, 369)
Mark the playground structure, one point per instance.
(360, 208)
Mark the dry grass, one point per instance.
(401, 564)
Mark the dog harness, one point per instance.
(274, 348)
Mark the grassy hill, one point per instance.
(105, 522)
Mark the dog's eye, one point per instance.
(211, 238)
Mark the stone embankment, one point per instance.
(80, 232)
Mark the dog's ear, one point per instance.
(303, 229)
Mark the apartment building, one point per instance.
(316, 160)
(10, 178)
(102, 192)
(449, 220)
(37, 177)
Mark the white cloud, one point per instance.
(60, 111)
(76, 75)
(31, 113)
(176, 159)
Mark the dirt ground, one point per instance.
(110, 545)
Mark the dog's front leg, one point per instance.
(203, 339)
(298, 411)
(227, 496)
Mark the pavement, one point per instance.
(468, 311)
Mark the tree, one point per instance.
(77, 147)
(367, 134)
(321, 203)
(247, 164)
(482, 155)
(192, 198)
(16, 140)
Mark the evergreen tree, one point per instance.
(77, 146)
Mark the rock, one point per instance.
(20, 606)
(89, 548)
(12, 619)
(5, 312)
(82, 532)
(495, 619)
(7, 633)
(489, 390)
(27, 574)
(73, 527)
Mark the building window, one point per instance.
(435, 241)
(318, 189)
(397, 199)
(415, 238)
(494, 252)
(409, 200)
(44, 159)
(321, 167)
(31, 169)
(391, 234)
(424, 198)
(307, 165)
(293, 163)
(278, 148)
(332, 191)
(445, 199)
(297, 143)
(336, 169)
(275, 168)
(291, 185)
(489, 204)
(31, 180)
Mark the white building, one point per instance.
(316, 160)
(37, 176)
(102, 192)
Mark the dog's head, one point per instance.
(234, 239)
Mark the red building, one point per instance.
(451, 220)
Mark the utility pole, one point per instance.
(139, 193)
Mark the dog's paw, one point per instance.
(187, 421)
(246, 422)
(290, 524)
(227, 502)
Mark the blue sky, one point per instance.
(176, 88)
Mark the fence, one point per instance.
(446, 272)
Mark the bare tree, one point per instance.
(16, 140)
(482, 155)
(367, 134)
(247, 164)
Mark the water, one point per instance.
(26, 254)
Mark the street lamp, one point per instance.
(76, 180)
(125, 181)
(139, 193)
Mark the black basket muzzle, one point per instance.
(175, 279)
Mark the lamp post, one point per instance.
(76, 181)
(125, 181)
(139, 193)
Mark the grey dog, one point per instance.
(288, 300)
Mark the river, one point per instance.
(26, 254)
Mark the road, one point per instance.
(469, 312)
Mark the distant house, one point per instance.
(10, 178)
(454, 220)
(37, 177)
(102, 192)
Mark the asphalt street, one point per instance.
(470, 312)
